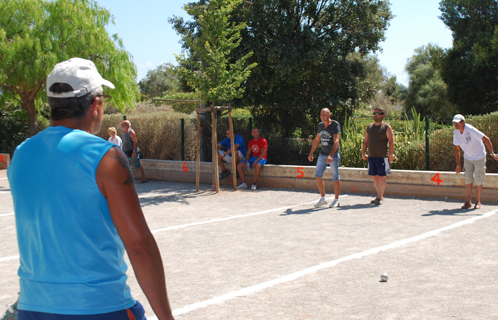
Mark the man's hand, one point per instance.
(329, 159)
(458, 169)
(310, 157)
(392, 158)
(365, 157)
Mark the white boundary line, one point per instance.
(233, 217)
(6, 214)
(307, 271)
(4, 191)
(9, 258)
(203, 222)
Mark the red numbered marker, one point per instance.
(299, 170)
(1, 158)
(184, 167)
(437, 179)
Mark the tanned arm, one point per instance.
(316, 141)
(115, 181)
(457, 157)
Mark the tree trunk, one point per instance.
(29, 106)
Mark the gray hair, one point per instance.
(70, 108)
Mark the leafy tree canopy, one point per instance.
(301, 47)
(37, 34)
(208, 68)
(427, 91)
(470, 68)
(159, 82)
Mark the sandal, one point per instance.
(374, 201)
(477, 206)
(466, 205)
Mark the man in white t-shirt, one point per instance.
(471, 141)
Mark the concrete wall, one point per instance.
(400, 182)
(4, 160)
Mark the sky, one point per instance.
(143, 26)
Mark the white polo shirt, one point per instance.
(471, 142)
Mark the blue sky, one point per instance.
(147, 35)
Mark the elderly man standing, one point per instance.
(130, 148)
(472, 142)
(377, 137)
(77, 211)
(329, 133)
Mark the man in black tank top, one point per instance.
(377, 137)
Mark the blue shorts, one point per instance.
(136, 312)
(251, 162)
(321, 165)
(378, 166)
(134, 162)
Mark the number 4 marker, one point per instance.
(437, 179)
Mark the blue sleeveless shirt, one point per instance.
(70, 252)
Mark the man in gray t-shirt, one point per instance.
(329, 134)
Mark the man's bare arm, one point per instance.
(133, 230)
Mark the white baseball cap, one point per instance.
(80, 74)
(458, 118)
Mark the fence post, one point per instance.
(427, 151)
(250, 126)
(182, 138)
(124, 117)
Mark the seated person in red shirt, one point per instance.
(257, 147)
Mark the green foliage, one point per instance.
(37, 34)
(374, 77)
(211, 72)
(159, 82)
(471, 66)
(301, 48)
(352, 144)
(428, 92)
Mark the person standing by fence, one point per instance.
(472, 142)
(329, 133)
(377, 137)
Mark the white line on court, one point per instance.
(233, 217)
(4, 191)
(206, 222)
(9, 258)
(307, 271)
(3, 178)
(6, 214)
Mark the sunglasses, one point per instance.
(378, 113)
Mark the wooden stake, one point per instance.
(232, 145)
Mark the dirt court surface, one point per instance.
(269, 254)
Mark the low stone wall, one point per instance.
(400, 182)
(4, 160)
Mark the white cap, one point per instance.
(458, 118)
(80, 74)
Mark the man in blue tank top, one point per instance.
(77, 210)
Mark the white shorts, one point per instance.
(228, 157)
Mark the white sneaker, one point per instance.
(335, 203)
(242, 186)
(253, 187)
(320, 203)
